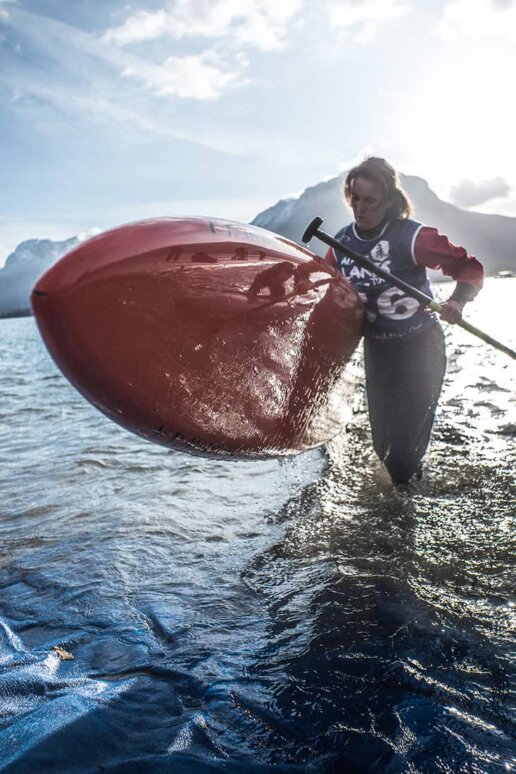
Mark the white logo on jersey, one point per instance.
(380, 254)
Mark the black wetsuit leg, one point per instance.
(403, 381)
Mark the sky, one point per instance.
(111, 111)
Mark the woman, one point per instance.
(403, 344)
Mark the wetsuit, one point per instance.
(404, 348)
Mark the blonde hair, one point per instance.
(380, 171)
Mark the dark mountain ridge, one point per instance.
(491, 238)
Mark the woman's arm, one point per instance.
(435, 251)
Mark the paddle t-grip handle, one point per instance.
(311, 229)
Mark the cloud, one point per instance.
(202, 77)
(141, 26)
(469, 194)
(3, 12)
(362, 20)
(262, 24)
(478, 19)
(78, 84)
(209, 74)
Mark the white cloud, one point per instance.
(3, 12)
(139, 119)
(201, 77)
(209, 74)
(479, 19)
(205, 76)
(263, 23)
(362, 20)
(141, 26)
(470, 194)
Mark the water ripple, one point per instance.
(161, 612)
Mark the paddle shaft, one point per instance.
(313, 230)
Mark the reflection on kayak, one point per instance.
(204, 336)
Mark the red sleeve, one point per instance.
(435, 251)
(329, 258)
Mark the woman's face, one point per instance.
(368, 203)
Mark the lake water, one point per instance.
(272, 616)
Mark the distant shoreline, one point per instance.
(23, 313)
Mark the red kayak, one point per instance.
(204, 335)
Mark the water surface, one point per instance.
(256, 616)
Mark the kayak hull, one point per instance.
(204, 335)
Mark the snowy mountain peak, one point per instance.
(39, 250)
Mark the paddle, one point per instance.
(313, 230)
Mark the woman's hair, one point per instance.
(380, 171)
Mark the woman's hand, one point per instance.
(303, 285)
(451, 311)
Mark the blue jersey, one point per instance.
(390, 314)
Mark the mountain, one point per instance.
(491, 238)
(21, 270)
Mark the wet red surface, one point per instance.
(204, 335)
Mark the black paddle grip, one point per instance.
(311, 230)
